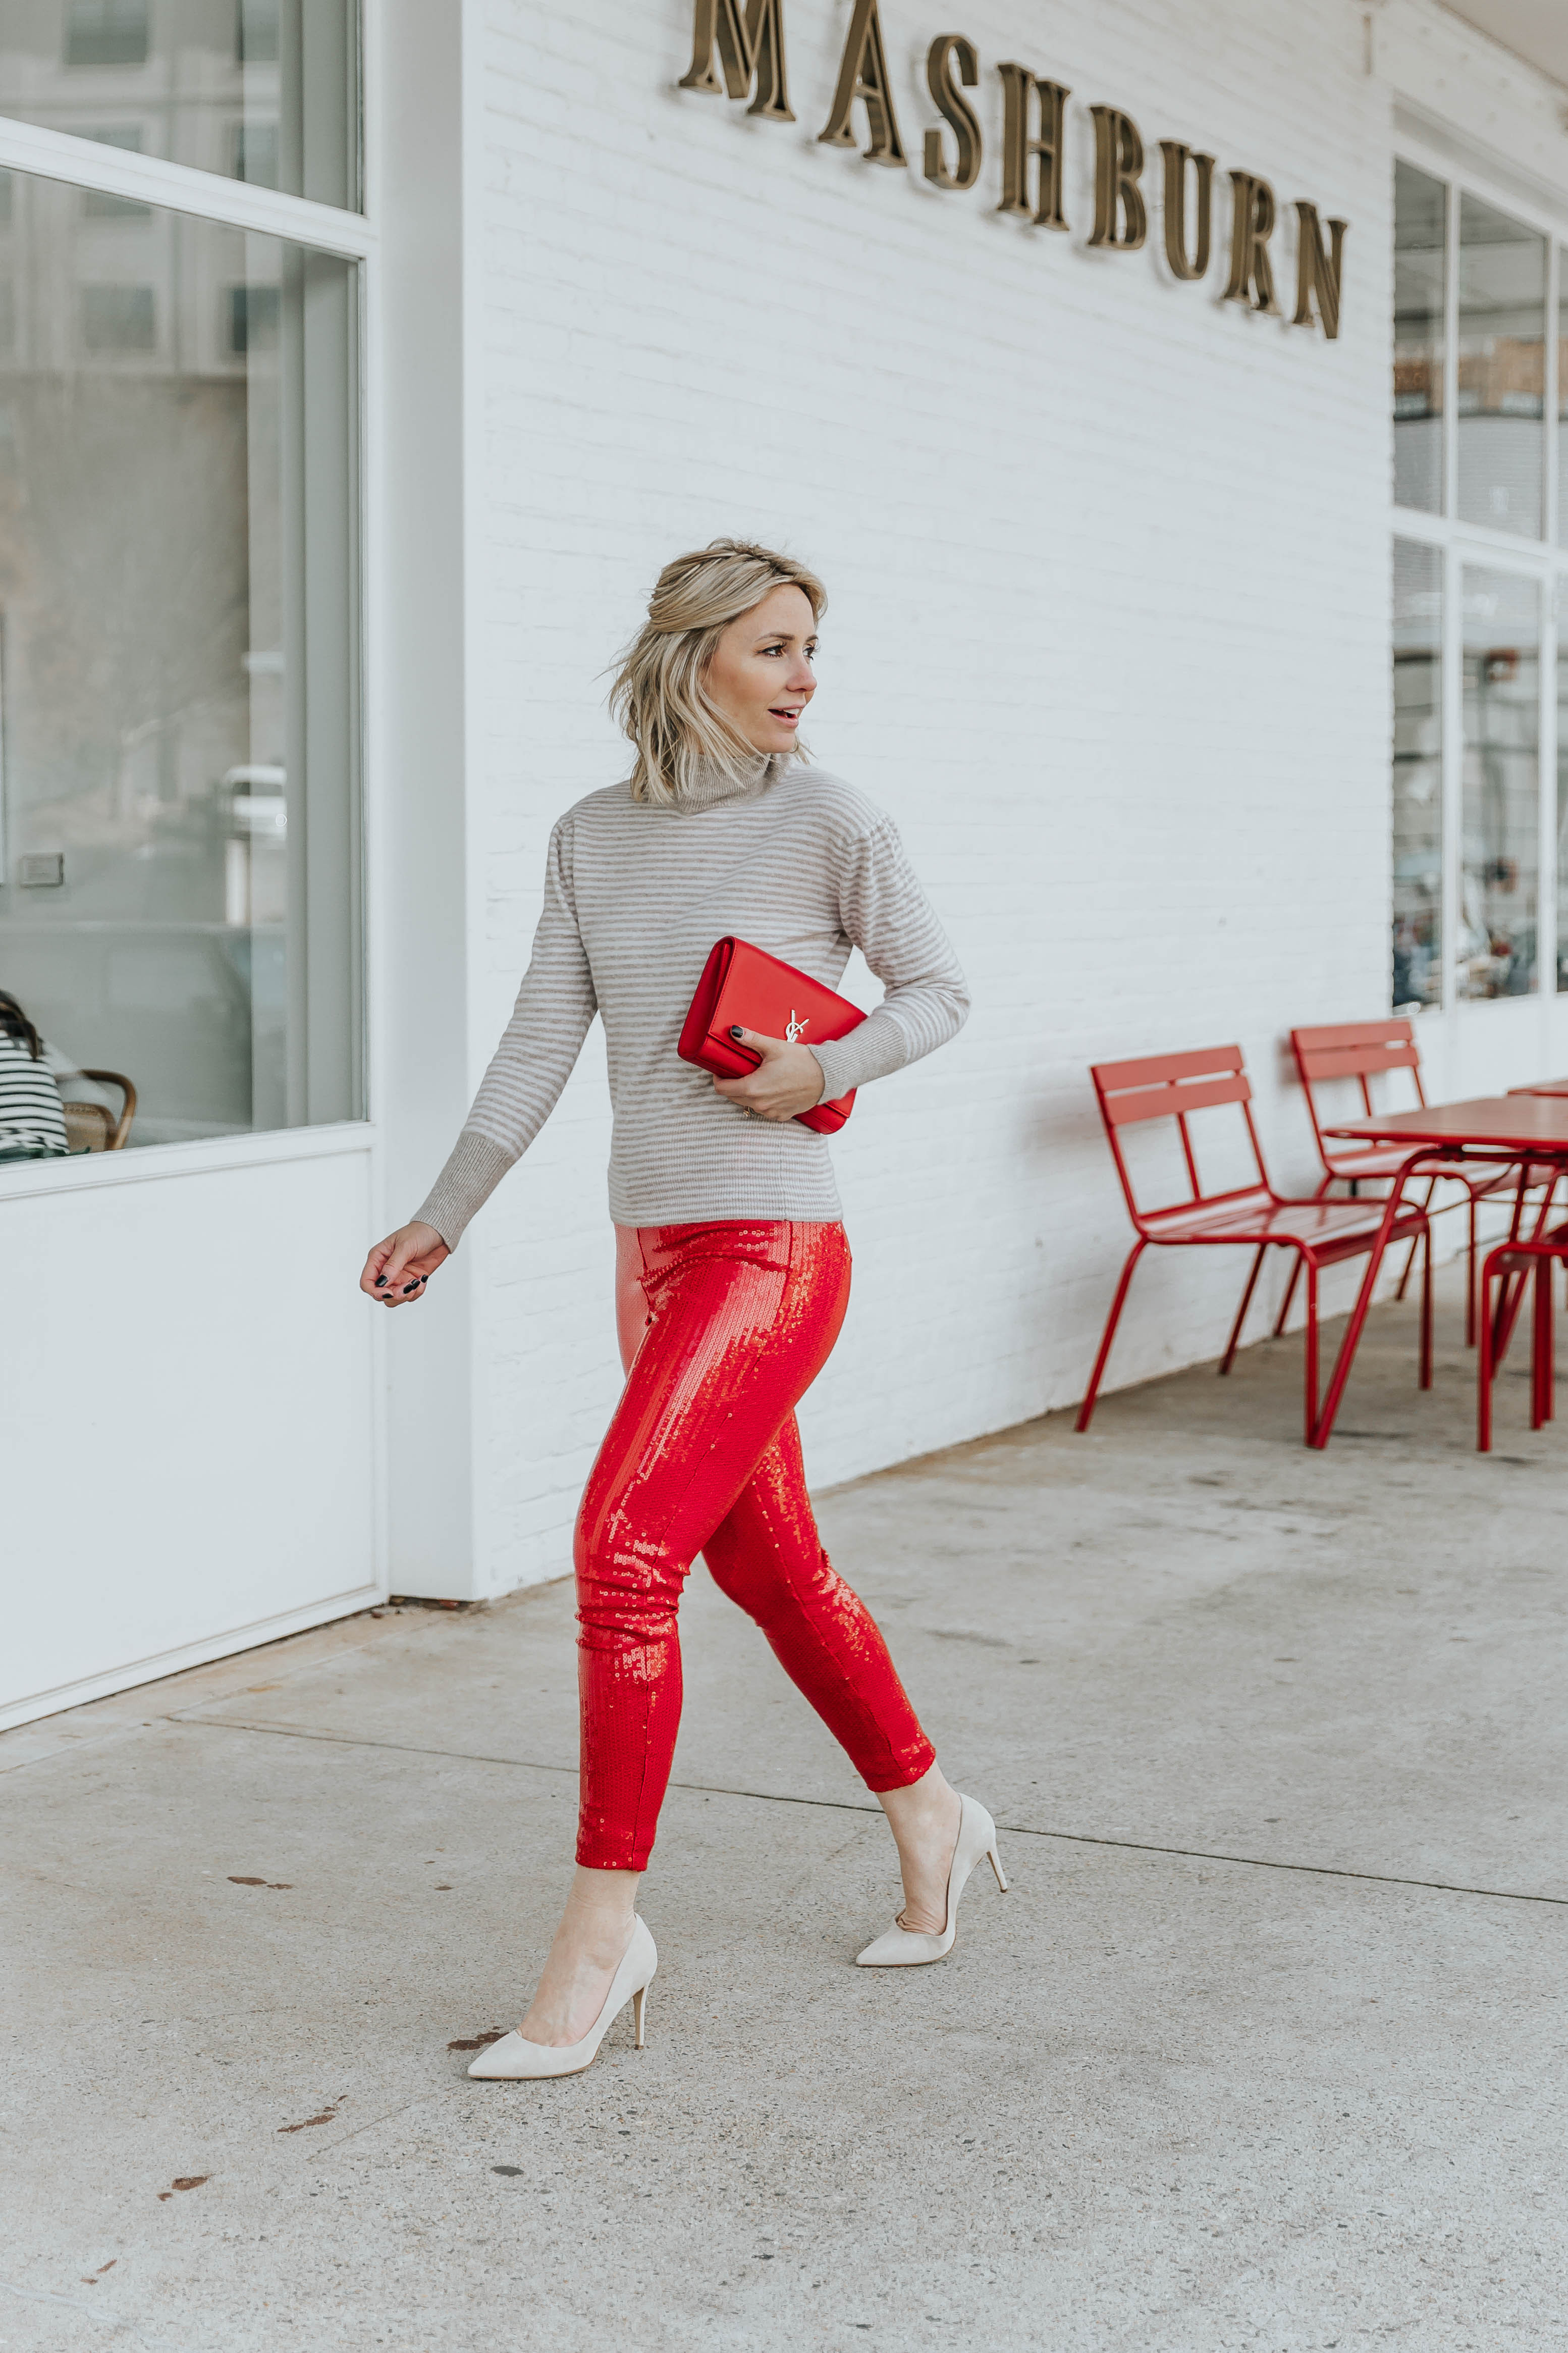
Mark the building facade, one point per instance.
(1175, 402)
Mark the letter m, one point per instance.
(750, 34)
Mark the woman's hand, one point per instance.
(398, 1270)
(788, 1079)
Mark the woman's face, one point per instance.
(759, 674)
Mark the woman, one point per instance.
(733, 1272)
(32, 1118)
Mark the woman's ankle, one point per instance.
(606, 1896)
(922, 1808)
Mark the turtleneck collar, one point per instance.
(710, 784)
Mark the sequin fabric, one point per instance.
(723, 1327)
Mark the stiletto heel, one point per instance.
(906, 1948)
(512, 2059)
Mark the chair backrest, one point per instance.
(90, 1127)
(1174, 1086)
(1353, 1050)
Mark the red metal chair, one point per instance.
(1252, 1215)
(1519, 1256)
(1361, 1049)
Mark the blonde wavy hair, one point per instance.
(659, 694)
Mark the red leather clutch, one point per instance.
(742, 984)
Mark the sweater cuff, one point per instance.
(476, 1167)
(876, 1047)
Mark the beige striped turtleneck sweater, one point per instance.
(635, 896)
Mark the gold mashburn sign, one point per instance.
(738, 50)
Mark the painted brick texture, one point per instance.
(1107, 563)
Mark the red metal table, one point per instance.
(1500, 1129)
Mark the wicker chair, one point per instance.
(91, 1127)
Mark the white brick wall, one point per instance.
(1107, 562)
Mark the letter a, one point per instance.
(750, 48)
(863, 75)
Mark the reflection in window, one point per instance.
(256, 153)
(256, 31)
(1502, 361)
(1500, 840)
(1417, 775)
(254, 314)
(119, 318)
(106, 32)
(1420, 249)
(200, 68)
(180, 878)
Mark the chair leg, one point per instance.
(1485, 1369)
(1087, 1408)
(1470, 1280)
(1410, 1259)
(1541, 1347)
(1289, 1295)
(1229, 1358)
(1312, 1374)
(1425, 1241)
(1334, 1393)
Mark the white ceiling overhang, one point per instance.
(1535, 30)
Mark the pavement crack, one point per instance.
(850, 1806)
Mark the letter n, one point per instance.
(1318, 272)
(750, 48)
(863, 75)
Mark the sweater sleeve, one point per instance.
(885, 913)
(555, 1006)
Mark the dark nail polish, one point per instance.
(381, 1283)
(408, 1287)
(735, 1030)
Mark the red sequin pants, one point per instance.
(723, 1328)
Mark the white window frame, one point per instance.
(1461, 544)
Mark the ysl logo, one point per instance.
(794, 1027)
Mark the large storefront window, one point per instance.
(178, 657)
(1473, 914)
(265, 90)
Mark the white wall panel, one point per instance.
(186, 1420)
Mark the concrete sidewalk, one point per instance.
(1264, 2050)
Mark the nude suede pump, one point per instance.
(511, 2060)
(908, 1948)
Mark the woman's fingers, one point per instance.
(755, 1043)
(398, 1269)
(373, 1279)
(786, 1081)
